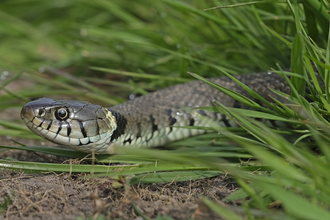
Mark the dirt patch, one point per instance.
(62, 196)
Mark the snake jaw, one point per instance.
(81, 126)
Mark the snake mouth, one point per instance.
(61, 123)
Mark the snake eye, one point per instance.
(62, 114)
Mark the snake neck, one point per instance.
(121, 125)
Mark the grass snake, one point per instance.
(144, 121)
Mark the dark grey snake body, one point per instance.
(145, 121)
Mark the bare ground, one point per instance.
(63, 196)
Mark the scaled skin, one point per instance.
(144, 121)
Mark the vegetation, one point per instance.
(112, 49)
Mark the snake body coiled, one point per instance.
(148, 120)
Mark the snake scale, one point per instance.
(144, 121)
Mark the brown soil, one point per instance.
(64, 196)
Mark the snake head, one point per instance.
(78, 125)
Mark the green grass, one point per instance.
(102, 51)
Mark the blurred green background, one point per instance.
(146, 38)
(166, 36)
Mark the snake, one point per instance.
(147, 121)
